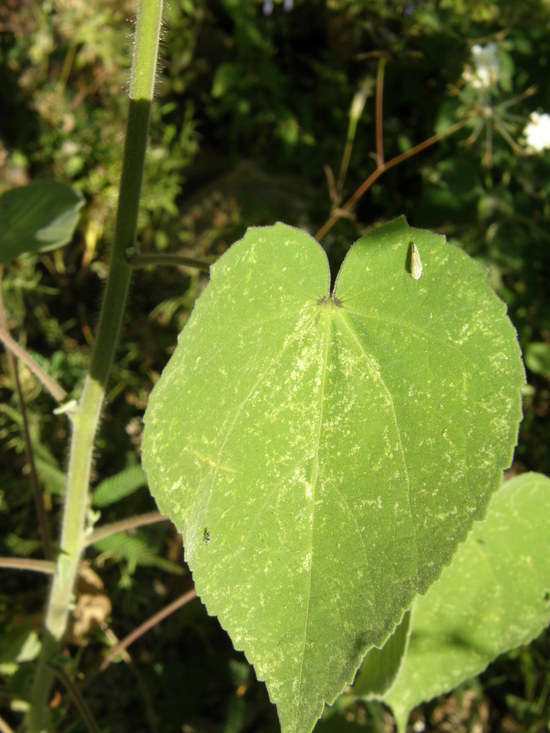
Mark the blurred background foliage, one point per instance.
(252, 114)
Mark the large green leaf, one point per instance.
(37, 217)
(323, 455)
(494, 597)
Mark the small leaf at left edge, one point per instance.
(37, 217)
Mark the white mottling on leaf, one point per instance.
(336, 454)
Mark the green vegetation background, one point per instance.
(252, 105)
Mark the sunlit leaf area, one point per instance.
(308, 468)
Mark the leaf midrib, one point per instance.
(370, 359)
(313, 484)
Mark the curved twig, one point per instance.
(24, 563)
(76, 697)
(123, 526)
(379, 118)
(35, 482)
(375, 175)
(55, 389)
(146, 260)
(146, 626)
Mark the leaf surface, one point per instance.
(38, 217)
(324, 454)
(494, 597)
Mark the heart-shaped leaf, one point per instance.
(37, 217)
(323, 453)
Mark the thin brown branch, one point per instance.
(123, 526)
(35, 483)
(375, 175)
(147, 260)
(146, 626)
(331, 183)
(143, 689)
(76, 697)
(399, 159)
(379, 117)
(55, 389)
(24, 563)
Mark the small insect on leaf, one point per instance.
(206, 536)
(415, 261)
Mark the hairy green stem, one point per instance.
(87, 414)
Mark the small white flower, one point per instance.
(486, 66)
(537, 132)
